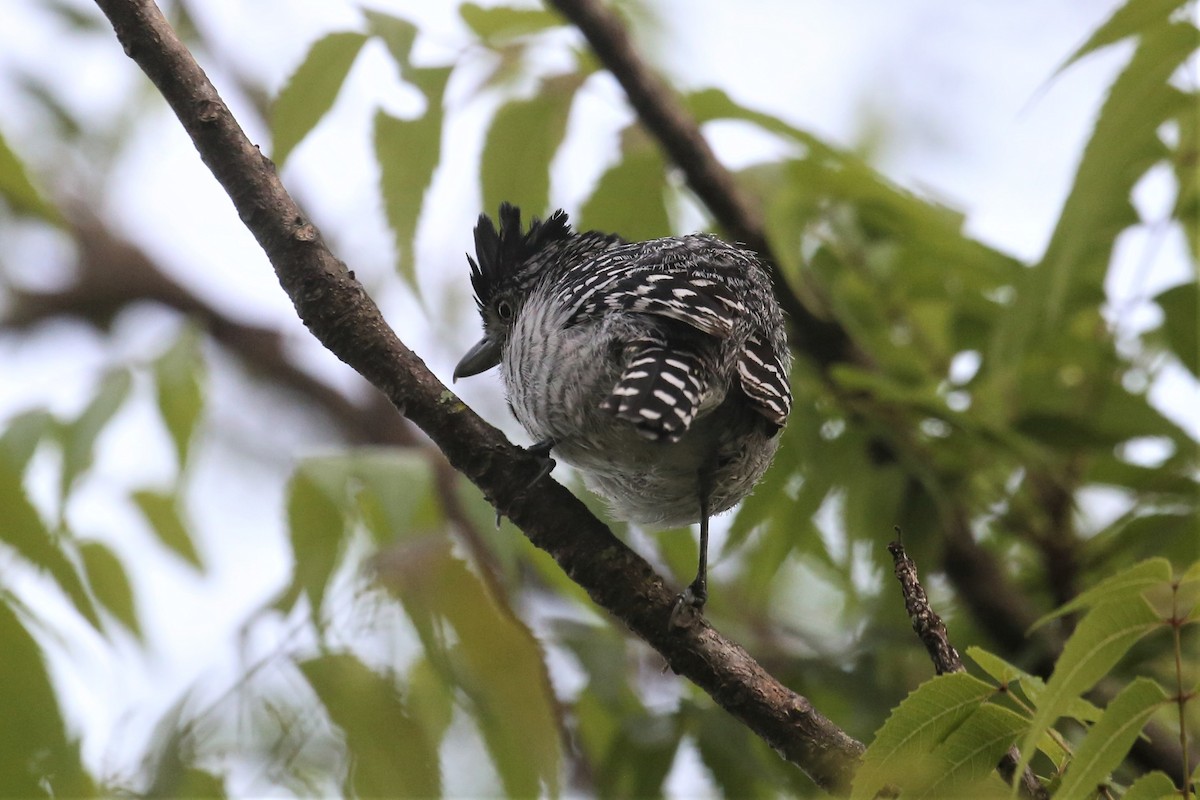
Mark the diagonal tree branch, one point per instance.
(338, 312)
(823, 340)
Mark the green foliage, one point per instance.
(392, 755)
(995, 400)
(310, 91)
(947, 736)
(18, 190)
(36, 757)
(522, 140)
(179, 376)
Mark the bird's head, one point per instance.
(509, 263)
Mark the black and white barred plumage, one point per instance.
(659, 369)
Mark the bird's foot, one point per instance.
(689, 605)
(542, 451)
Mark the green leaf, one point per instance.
(733, 756)
(408, 151)
(1102, 637)
(1131, 19)
(521, 143)
(1152, 786)
(1179, 304)
(1123, 146)
(162, 512)
(110, 585)
(178, 374)
(925, 718)
(1034, 687)
(317, 521)
(18, 190)
(22, 435)
(495, 661)
(36, 758)
(1123, 586)
(1108, 741)
(22, 528)
(499, 24)
(630, 196)
(970, 753)
(391, 754)
(310, 91)
(397, 34)
(395, 492)
(79, 437)
(712, 104)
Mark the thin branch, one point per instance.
(932, 632)
(338, 312)
(661, 112)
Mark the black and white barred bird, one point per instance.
(658, 369)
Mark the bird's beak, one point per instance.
(483, 356)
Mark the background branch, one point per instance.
(659, 109)
(337, 311)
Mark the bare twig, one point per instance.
(338, 312)
(932, 632)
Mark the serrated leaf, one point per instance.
(22, 528)
(178, 374)
(1099, 641)
(995, 666)
(1108, 741)
(1152, 786)
(1131, 19)
(1124, 585)
(1179, 304)
(310, 91)
(1123, 146)
(79, 437)
(631, 196)
(922, 720)
(1034, 687)
(36, 758)
(162, 513)
(18, 190)
(391, 754)
(109, 583)
(969, 755)
(500, 24)
(521, 143)
(408, 151)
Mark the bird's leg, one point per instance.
(695, 595)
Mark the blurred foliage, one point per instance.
(428, 654)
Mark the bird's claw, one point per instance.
(689, 604)
(542, 451)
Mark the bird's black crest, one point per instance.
(501, 253)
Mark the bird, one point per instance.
(658, 369)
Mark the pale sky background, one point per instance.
(961, 91)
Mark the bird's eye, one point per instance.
(504, 310)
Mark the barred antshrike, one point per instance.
(658, 369)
